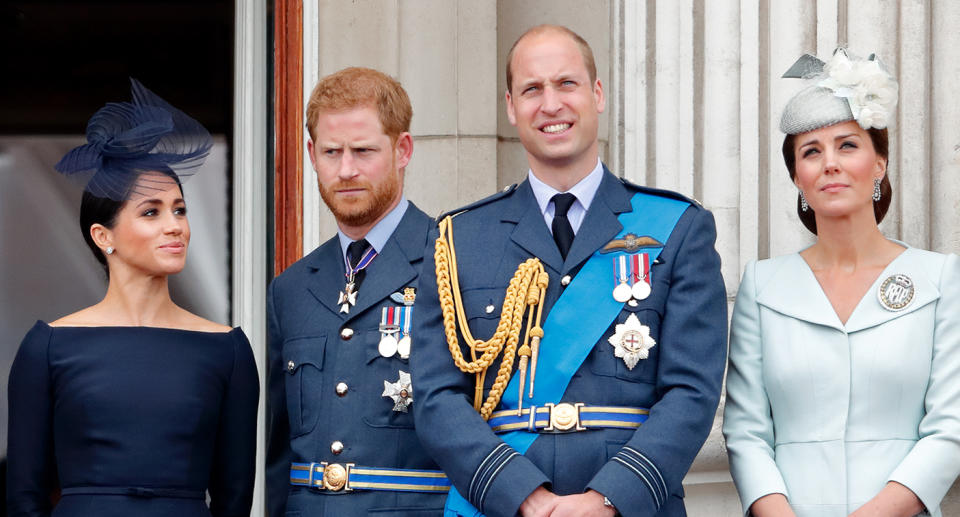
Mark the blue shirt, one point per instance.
(378, 235)
(584, 191)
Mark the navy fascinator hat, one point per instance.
(134, 148)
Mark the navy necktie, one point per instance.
(562, 231)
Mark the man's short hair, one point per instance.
(357, 87)
(585, 50)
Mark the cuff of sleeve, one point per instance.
(632, 483)
(920, 473)
(504, 481)
(755, 479)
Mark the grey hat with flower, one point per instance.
(841, 89)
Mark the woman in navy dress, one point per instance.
(134, 406)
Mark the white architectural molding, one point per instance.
(249, 199)
(313, 207)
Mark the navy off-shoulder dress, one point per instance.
(132, 421)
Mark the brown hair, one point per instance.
(585, 50)
(881, 144)
(358, 87)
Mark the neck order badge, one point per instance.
(569, 333)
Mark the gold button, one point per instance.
(490, 308)
(334, 477)
(291, 366)
(342, 389)
(336, 447)
(565, 280)
(346, 333)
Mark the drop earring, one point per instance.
(803, 202)
(876, 189)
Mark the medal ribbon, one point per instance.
(641, 268)
(570, 333)
(406, 317)
(365, 260)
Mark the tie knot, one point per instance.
(562, 203)
(355, 251)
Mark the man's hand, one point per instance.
(587, 504)
(540, 503)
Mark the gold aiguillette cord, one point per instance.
(526, 289)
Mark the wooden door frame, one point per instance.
(288, 133)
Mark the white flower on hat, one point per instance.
(870, 91)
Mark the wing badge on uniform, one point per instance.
(631, 341)
(630, 243)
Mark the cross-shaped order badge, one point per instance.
(631, 341)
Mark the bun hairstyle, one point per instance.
(844, 88)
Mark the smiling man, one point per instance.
(341, 439)
(617, 350)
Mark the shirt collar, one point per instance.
(584, 190)
(378, 235)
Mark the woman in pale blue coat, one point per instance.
(843, 393)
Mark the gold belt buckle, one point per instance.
(564, 417)
(335, 477)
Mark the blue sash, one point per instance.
(570, 333)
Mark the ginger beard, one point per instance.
(362, 210)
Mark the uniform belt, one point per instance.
(567, 418)
(346, 477)
(136, 491)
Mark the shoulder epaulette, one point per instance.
(661, 192)
(506, 191)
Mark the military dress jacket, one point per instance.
(639, 470)
(326, 379)
(827, 413)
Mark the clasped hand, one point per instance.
(544, 503)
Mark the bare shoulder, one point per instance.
(190, 321)
(90, 317)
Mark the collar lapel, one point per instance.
(328, 278)
(600, 224)
(870, 312)
(392, 269)
(793, 290)
(531, 232)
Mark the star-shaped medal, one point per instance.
(632, 341)
(401, 392)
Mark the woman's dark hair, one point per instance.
(97, 210)
(104, 211)
(881, 144)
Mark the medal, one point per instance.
(631, 341)
(401, 392)
(388, 327)
(348, 297)
(896, 292)
(622, 292)
(641, 276)
(388, 345)
(406, 317)
(640, 290)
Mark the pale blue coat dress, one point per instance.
(828, 413)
